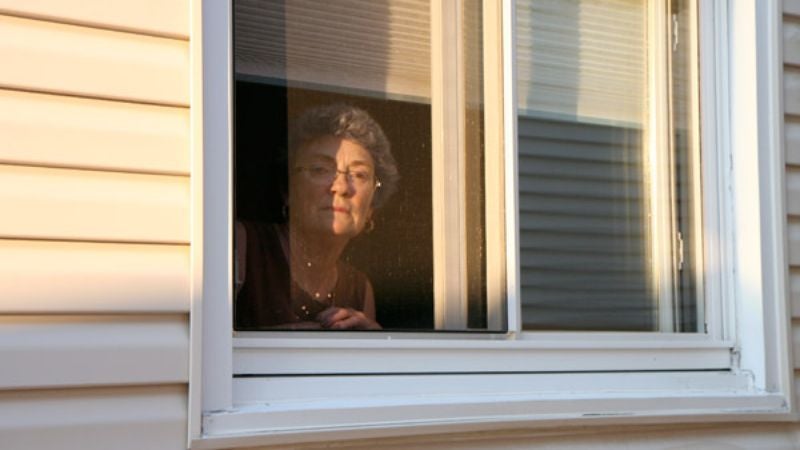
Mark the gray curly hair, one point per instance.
(349, 122)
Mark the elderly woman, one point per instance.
(291, 276)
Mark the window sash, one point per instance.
(650, 275)
(449, 103)
(256, 353)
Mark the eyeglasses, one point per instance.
(325, 175)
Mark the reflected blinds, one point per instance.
(380, 46)
(581, 79)
(582, 59)
(583, 237)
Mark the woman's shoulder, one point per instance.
(350, 273)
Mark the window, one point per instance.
(700, 331)
(296, 63)
(609, 166)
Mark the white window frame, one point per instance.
(546, 380)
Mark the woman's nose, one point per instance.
(341, 184)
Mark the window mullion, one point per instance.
(495, 163)
(449, 227)
(697, 192)
(718, 253)
(513, 296)
(661, 230)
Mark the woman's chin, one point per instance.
(336, 230)
(346, 232)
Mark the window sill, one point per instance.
(270, 411)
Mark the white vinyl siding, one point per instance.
(791, 86)
(94, 205)
(94, 240)
(93, 134)
(98, 418)
(70, 277)
(155, 17)
(91, 350)
(90, 62)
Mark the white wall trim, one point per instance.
(211, 246)
(758, 172)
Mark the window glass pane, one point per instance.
(353, 146)
(604, 187)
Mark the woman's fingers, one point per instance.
(332, 315)
(345, 319)
(348, 323)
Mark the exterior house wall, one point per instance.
(94, 239)
(94, 247)
(791, 86)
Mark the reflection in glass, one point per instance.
(316, 201)
(608, 176)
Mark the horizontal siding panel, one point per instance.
(161, 17)
(52, 351)
(93, 134)
(791, 41)
(793, 190)
(123, 418)
(83, 277)
(64, 204)
(796, 385)
(796, 343)
(67, 59)
(685, 436)
(791, 90)
(791, 7)
(792, 131)
(793, 232)
(794, 290)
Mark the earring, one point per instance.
(285, 212)
(370, 226)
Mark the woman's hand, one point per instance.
(335, 318)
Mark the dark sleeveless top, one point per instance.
(269, 298)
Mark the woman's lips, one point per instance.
(339, 209)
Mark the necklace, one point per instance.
(315, 272)
(321, 291)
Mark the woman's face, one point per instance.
(331, 188)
